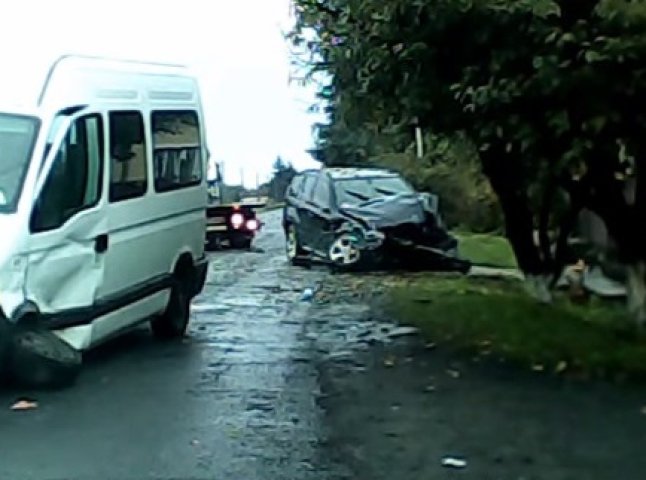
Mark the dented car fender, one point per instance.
(13, 269)
(362, 237)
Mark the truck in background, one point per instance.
(234, 223)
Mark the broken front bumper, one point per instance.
(391, 247)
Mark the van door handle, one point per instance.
(101, 243)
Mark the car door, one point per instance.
(292, 198)
(67, 241)
(320, 217)
(305, 227)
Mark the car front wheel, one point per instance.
(293, 247)
(343, 252)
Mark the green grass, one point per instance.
(488, 250)
(497, 318)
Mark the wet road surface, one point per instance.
(237, 399)
(266, 386)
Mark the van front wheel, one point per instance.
(174, 321)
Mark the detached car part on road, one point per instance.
(103, 202)
(355, 218)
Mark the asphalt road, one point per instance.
(237, 399)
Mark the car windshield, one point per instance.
(359, 190)
(17, 136)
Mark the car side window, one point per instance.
(308, 187)
(322, 192)
(295, 187)
(75, 180)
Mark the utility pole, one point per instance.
(419, 141)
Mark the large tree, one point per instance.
(548, 91)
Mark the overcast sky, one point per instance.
(235, 46)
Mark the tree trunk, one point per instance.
(506, 180)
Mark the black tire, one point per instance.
(174, 321)
(299, 259)
(210, 244)
(40, 359)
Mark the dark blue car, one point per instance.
(353, 217)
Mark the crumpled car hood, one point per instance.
(389, 211)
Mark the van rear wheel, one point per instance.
(174, 321)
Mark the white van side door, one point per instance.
(68, 227)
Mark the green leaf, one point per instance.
(546, 8)
(591, 56)
(597, 123)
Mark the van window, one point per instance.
(176, 149)
(128, 166)
(75, 179)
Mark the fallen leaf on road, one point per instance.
(24, 405)
(560, 367)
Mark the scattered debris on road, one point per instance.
(308, 294)
(24, 404)
(38, 358)
(453, 462)
(389, 362)
(402, 332)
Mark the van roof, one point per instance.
(80, 79)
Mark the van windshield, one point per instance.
(17, 137)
